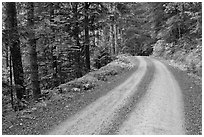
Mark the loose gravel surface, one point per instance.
(149, 102)
(104, 115)
(160, 111)
(192, 95)
(151, 98)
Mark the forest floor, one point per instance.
(67, 99)
(62, 111)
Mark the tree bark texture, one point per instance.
(33, 54)
(53, 47)
(15, 49)
(106, 35)
(78, 56)
(86, 28)
(11, 81)
(116, 39)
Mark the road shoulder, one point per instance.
(192, 95)
(63, 108)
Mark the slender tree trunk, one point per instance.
(78, 56)
(110, 39)
(98, 37)
(33, 54)
(60, 69)
(86, 28)
(112, 7)
(179, 31)
(53, 48)
(107, 38)
(119, 39)
(113, 38)
(11, 82)
(15, 49)
(95, 38)
(116, 39)
(122, 39)
(7, 55)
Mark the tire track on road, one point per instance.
(139, 91)
(98, 115)
(161, 109)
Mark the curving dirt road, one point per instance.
(161, 109)
(149, 102)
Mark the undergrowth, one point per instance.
(186, 55)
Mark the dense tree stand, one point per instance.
(52, 43)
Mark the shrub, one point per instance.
(194, 62)
(102, 58)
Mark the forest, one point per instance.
(46, 44)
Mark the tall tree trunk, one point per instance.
(116, 39)
(113, 38)
(7, 55)
(112, 18)
(119, 39)
(107, 37)
(60, 69)
(11, 81)
(122, 40)
(53, 48)
(86, 28)
(33, 54)
(95, 37)
(15, 49)
(78, 55)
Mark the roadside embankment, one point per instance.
(67, 99)
(191, 87)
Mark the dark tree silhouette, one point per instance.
(33, 54)
(86, 28)
(14, 43)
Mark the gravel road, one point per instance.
(161, 109)
(149, 102)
